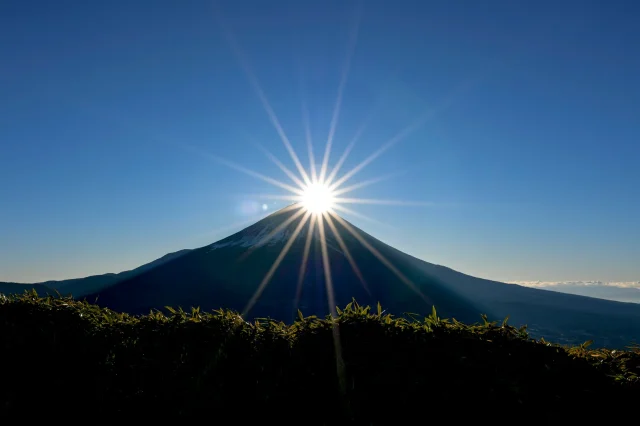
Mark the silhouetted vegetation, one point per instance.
(64, 356)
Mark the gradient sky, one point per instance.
(530, 158)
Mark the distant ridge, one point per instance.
(79, 287)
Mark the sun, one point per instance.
(318, 198)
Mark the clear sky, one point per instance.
(531, 157)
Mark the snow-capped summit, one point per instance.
(276, 229)
(271, 230)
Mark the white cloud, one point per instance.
(627, 284)
(628, 291)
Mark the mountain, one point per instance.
(79, 287)
(19, 288)
(228, 273)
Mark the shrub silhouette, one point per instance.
(58, 353)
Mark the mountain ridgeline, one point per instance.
(229, 273)
(79, 287)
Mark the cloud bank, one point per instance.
(628, 291)
(627, 284)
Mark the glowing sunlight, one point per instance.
(317, 198)
(317, 193)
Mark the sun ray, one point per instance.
(354, 140)
(286, 209)
(364, 183)
(359, 215)
(339, 200)
(391, 142)
(415, 125)
(282, 167)
(335, 330)
(250, 172)
(253, 80)
(326, 266)
(364, 163)
(353, 39)
(346, 251)
(348, 149)
(307, 127)
(271, 234)
(380, 257)
(307, 134)
(340, 162)
(236, 225)
(282, 226)
(276, 197)
(274, 267)
(305, 259)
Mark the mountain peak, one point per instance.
(276, 228)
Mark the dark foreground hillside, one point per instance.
(69, 360)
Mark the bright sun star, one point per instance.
(318, 194)
(318, 198)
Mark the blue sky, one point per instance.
(530, 156)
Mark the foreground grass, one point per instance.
(63, 356)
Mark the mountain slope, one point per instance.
(228, 273)
(7, 288)
(82, 286)
(79, 287)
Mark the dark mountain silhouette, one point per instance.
(19, 288)
(79, 287)
(228, 273)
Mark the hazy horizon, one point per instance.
(527, 164)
